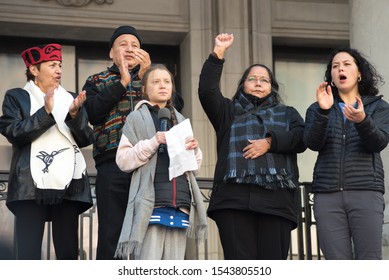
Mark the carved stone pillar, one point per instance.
(368, 24)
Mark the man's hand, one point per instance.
(125, 77)
(143, 58)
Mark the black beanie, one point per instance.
(124, 29)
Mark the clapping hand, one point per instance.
(49, 100)
(324, 96)
(143, 58)
(77, 104)
(355, 115)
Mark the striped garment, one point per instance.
(108, 133)
(169, 217)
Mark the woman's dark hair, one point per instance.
(274, 83)
(370, 79)
(29, 75)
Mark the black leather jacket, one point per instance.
(21, 129)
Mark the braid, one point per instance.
(173, 115)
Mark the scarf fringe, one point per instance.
(49, 196)
(199, 233)
(268, 178)
(77, 186)
(52, 196)
(250, 171)
(125, 249)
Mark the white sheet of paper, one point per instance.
(181, 159)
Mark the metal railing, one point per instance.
(305, 234)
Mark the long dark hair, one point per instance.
(370, 79)
(274, 83)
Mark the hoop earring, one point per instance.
(359, 79)
(332, 84)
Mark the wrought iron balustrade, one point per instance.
(304, 236)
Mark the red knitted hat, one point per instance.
(42, 53)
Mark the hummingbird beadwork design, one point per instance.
(48, 158)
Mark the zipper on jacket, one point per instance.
(129, 88)
(174, 193)
(342, 155)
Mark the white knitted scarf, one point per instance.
(55, 156)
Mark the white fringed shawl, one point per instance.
(55, 157)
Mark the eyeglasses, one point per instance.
(261, 80)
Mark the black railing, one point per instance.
(305, 234)
(306, 229)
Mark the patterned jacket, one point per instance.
(108, 104)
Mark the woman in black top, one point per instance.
(254, 198)
(48, 180)
(348, 126)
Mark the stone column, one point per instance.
(195, 48)
(207, 19)
(261, 33)
(233, 17)
(368, 33)
(68, 70)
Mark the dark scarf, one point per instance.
(254, 117)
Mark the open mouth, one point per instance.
(342, 77)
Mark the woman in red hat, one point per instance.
(48, 181)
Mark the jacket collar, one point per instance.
(114, 68)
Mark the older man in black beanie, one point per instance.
(124, 29)
(111, 96)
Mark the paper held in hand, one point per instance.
(181, 159)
